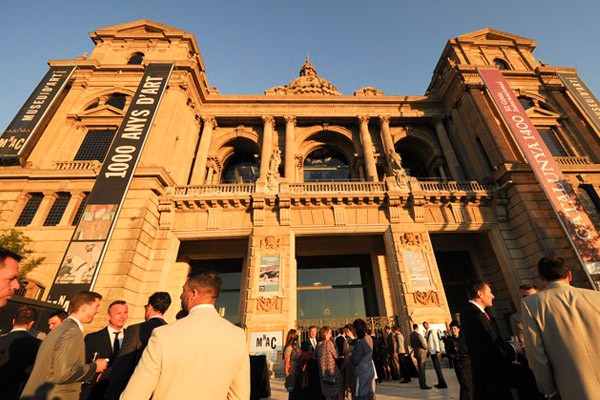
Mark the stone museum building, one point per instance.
(315, 206)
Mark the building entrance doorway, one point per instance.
(335, 286)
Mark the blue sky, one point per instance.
(249, 46)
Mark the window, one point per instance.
(80, 209)
(117, 100)
(501, 64)
(58, 209)
(552, 142)
(30, 209)
(136, 59)
(95, 145)
(325, 164)
(526, 102)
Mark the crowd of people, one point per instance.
(552, 353)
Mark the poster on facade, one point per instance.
(95, 222)
(268, 274)
(83, 258)
(21, 134)
(416, 264)
(571, 214)
(583, 96)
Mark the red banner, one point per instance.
(564, 200)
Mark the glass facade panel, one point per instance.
(95, 145)
(58, 209)
(30, 209)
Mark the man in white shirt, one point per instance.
(201, 356)
(435, 352)
(60, 365)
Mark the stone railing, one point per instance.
(584, 160)
(223, 189)
(338, 187)
(451, 186)
(83, 164)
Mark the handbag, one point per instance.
(327, 377)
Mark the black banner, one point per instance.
(20, 136)
(83, 258)
(582, 95)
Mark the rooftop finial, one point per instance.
(307, 69)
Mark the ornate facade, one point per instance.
(314, 205)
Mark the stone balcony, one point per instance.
(327, 193)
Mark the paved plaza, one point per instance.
(394, 390)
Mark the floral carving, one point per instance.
(429, 298)
(269, 304)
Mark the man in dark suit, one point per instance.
(60, 365)
(309, 360)
(105, 343)
(456, 349)
(136, 340)
(17, 353)
(9, 273)
(490, 355)
(420, 350)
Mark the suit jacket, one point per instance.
(418, 344)
(98, 342)
(60, 365)
(561, 336)
(17, 355)
(399, 339)
(201, 356)
(135, 341)
(490, 355)
(433, 342)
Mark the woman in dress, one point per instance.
(362, 360)
(291, 358)
(332, 381)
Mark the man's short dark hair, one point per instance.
(455, 323)
(528, 286)
(207, 280)
(415, 326)
(160, 301)
(5, 253)
(474, 286)
(61, 314)
(117, 303)
(25, 315)
(82, 298)
(553, 268)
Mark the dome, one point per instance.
(308, 83)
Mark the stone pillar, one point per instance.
(386, 139)
(367, 142)
(267, 145)
(199, 173)
(448, 150)
(290, 149)
(42, 211)
(71, 209)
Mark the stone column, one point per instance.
(199, 173)
(290, 149)
(367, 142)
(267, 145)
(448, 150)
(386, 139)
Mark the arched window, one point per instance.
(526, 102)
(117, 100)
(240, 168)
(325, 164)
(415, 154)
(136, 59)
(500, 63)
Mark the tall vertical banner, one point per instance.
(584, 97)
(21, 134)
(573, 218)
(80, 266)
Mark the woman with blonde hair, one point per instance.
(291, 358)
(332, 381)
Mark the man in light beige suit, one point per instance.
(561, 328)
(201, 356)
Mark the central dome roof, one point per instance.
(308, 83)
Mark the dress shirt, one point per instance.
(111, 334)
(77, 322)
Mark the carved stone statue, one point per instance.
(273, 173)
(396, 164)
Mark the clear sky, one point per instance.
(249, 46)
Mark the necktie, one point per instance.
(116, 346)
(487, 316)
